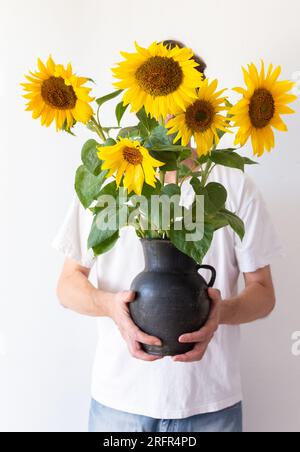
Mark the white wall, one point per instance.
(46, 353)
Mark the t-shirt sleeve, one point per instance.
(261, 243)
(72, 238)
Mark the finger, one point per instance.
(193, 356)
(136, 334)
(214, 295)
(216, 299)
(127, 296)
(203, 335)
(146, 339)
(138, 353)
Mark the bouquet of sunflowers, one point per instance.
(176, 108)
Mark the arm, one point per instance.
(75, 292)
(255, 302)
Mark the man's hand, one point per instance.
(132, 335)
(203, 337)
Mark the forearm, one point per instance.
(255, 302)
(78, 294)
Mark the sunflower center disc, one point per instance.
(159, 76)
(200, 116)
(57, 94)
(262, 108)
(132, 156)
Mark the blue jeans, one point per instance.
(104, 419)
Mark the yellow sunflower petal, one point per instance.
(264, 99)
(202, 118)
(82, 112)
(163, 94)
(56, 93)
(129, 159)
(279, 124)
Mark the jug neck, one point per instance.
(163, 256)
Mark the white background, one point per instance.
(45, 352)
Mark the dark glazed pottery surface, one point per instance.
(171, 299)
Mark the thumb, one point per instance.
(127, 296)
(215, 295)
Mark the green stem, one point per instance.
(206, 173)
(162, 177)
(98, 129)
(211, 169)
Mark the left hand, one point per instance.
(203, 337)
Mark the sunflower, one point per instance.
(202, 119)
(55, 93)
(264, 100)
(161, 79)
(129, 159)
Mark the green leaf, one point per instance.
(203, 159)
(220, 133)
(248, 161)
(98, 235)
(149, 191)
(108, 142)
(109, 129)
(171, 148)
(120, 111)
(171, 190)
(228, 159)
(109, 189)
(225, 150)
(133, 133)
(91, 126)
(235, 222)
(66, 129)
(146, 121)
(232, 151)
(90, 158)
(158, 137)
(197, 250)
(196, 184)
(184, 171)
(218, 221)
(215, 195)
(108, 97)
(107, 214)
(169, 158)
(196, 173)
(107, 244)
(88, 186)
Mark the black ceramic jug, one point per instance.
(172, 297)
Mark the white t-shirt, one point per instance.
(164, 389)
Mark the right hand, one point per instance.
(133, 336)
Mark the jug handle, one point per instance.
(213, 271)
